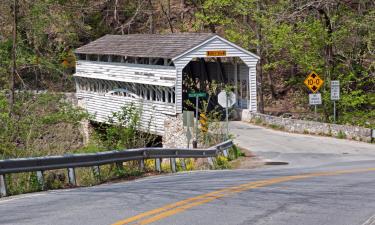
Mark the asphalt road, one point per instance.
(298, 150)
(335, 191)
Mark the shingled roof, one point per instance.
(145, 45)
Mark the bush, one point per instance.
(39, 124)
(222, 162)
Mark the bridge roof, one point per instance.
(145, 45)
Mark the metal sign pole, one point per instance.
(334, 111)
(188, 139)
(196, 119)
(226, 112)
(315, 112)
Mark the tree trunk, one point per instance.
(260, 64)
(152, 19)
(14, 63)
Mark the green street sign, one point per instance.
(197, 94)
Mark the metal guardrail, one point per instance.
(40, 164)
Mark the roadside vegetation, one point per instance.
(48, 115)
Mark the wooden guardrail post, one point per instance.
(225, 152)
(72, 177)
(173, 165)
(96, 172)
(183, 164)
(3, 187)
(141, 164)
(158, 164)
(40, 179)
(120, 166)
(211, 161)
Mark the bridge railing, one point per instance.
(72, 161)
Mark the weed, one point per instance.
(341, 135)
(221, 162)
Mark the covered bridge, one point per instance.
(149, 70)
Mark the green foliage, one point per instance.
(341, 135)
(234, 153)
(33, 117)
(221, 162)
(123, 130)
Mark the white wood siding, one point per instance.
(101, 107)
(126, 72)
(216, 43)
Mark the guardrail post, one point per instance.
(225, 152)
(183, 165)
(96, 172)
(210, 162)
(120, 166)
(173, 164)
(158, 164)
(72, 177)
(40, 178)
(141, 164)
(3, 187)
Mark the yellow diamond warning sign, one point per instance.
(313, 82)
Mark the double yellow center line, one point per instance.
(181, 206)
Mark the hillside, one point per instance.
(334, 38)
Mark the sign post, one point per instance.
(196, 95)
(335, 96)
(315, 99)
(188, 121)
(226, 100)
(314, 82)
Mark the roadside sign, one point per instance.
(335, 90)
(188, 118)
(188, 121)
(223, 97)
(197, 94)
(215, 53)
(226, 100)
(315, 99)
(313, 82)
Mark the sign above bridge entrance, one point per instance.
(216, 53)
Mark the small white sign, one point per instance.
(223, 97)
(315, 99)
(335, 90)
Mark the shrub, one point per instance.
(221, 162)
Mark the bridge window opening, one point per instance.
(92, 57)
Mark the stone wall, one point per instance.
(308, 127)
(175, 133)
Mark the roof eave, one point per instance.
(210, 39)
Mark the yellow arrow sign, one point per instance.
(313, 82)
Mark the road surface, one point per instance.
(339, 190)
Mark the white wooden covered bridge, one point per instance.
(149, 69)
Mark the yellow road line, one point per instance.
(180, 206)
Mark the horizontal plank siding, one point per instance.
(153, 114)
(253, 89)
(126, 72)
